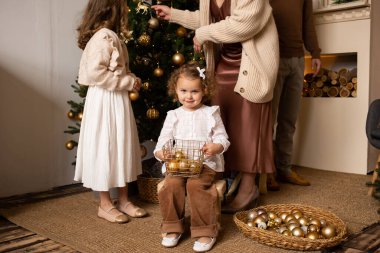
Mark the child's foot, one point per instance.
(204, 244)
(170, 239)
(132, 210)
(112, 215)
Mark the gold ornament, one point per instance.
(127, 37)
(178, 59)
(252, 215)
(143, 151)
(146, 85)
(315, 222)
(153, 23)
(70, 145)
(195, 167)
(286, 233)
(312, 235)
(179, 155)
(133, 95)
(181, 31)
(250, 224)
(173, 166)
(158, 72)
(298, 232)
(142, 7)
(184, 165)
(144, 39)
(283, 216)
(80, 116)
(313, 228)
(260, 211)
(71, 115)
(328, 232)
(152, 113)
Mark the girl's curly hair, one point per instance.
(111, 14)
(190, 71)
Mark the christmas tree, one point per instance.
(155, 48)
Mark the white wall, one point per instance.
(38, 63)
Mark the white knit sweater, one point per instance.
(251, 23)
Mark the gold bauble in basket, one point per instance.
(328, 232)
(179, 155)
(195, 167)
(173, 166)
(183, 164)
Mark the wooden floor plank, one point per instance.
(14, 234)
(21, 243)
(46, 246)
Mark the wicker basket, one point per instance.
(147, 187)
(292, 242)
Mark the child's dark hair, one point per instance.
(192, 71)
(111, 14)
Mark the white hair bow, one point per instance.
(201, 72)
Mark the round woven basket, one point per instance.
(147, 187)
(292, 242)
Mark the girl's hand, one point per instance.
(160, 155)
(211, 149)
(197, 45)
(162, 11)
(137, 84)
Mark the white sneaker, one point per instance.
(203, 247)
(170, 241)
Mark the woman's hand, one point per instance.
(210, 149)
(162, 11)
(315, 66)
(197, 45)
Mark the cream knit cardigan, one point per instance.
(251, 23)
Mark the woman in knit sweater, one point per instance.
(240, 42)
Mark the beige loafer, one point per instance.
(107, 215)
(132, 210)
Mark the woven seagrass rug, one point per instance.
(72, 220)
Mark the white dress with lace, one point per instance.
(108, 152)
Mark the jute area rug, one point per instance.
(72, 220)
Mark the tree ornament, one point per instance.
(142, 7)
(153, 23)
(145, 85)
(71, 115)
(127, 37)
(144, 39)
(152, 113)
(181, 31)
(143, 151)
(133, 95)
(80, 116)
(70, 145)
(328, 232)
(158, 72)
(178, 59)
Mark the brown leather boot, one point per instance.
(294, 178)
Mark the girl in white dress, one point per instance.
(108, 153)
(192, 121)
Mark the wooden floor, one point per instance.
(17, 239)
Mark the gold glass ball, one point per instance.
(173, 166)
(312, 235)
(261, 211)
(292, 226)
(252, 215)
(80, 116)
(179, 154)
(262, 225)
(178, 59)
(328, 232)
(289, 217)
(298, 215)
(158, 72)
(70, 145)
(153, 113)
(133, 95)
(144, 39)
(258, 219)
(146, 85)
(195, 167)
(250, 224)
(264, 216)
(315, 222)
(143, 151)
(298, 232)
(71, 115)
(286, 233)
(271, 215)
(277, 221)
(313, 228)
(184, 164)
(283, 215)
(153, 23)
(303, 221)
(323, 223)
(181, 31)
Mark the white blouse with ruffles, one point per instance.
(203, 124)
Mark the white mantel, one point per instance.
(331, 131)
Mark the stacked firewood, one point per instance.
(329, 83)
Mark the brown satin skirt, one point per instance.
(248, 125)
